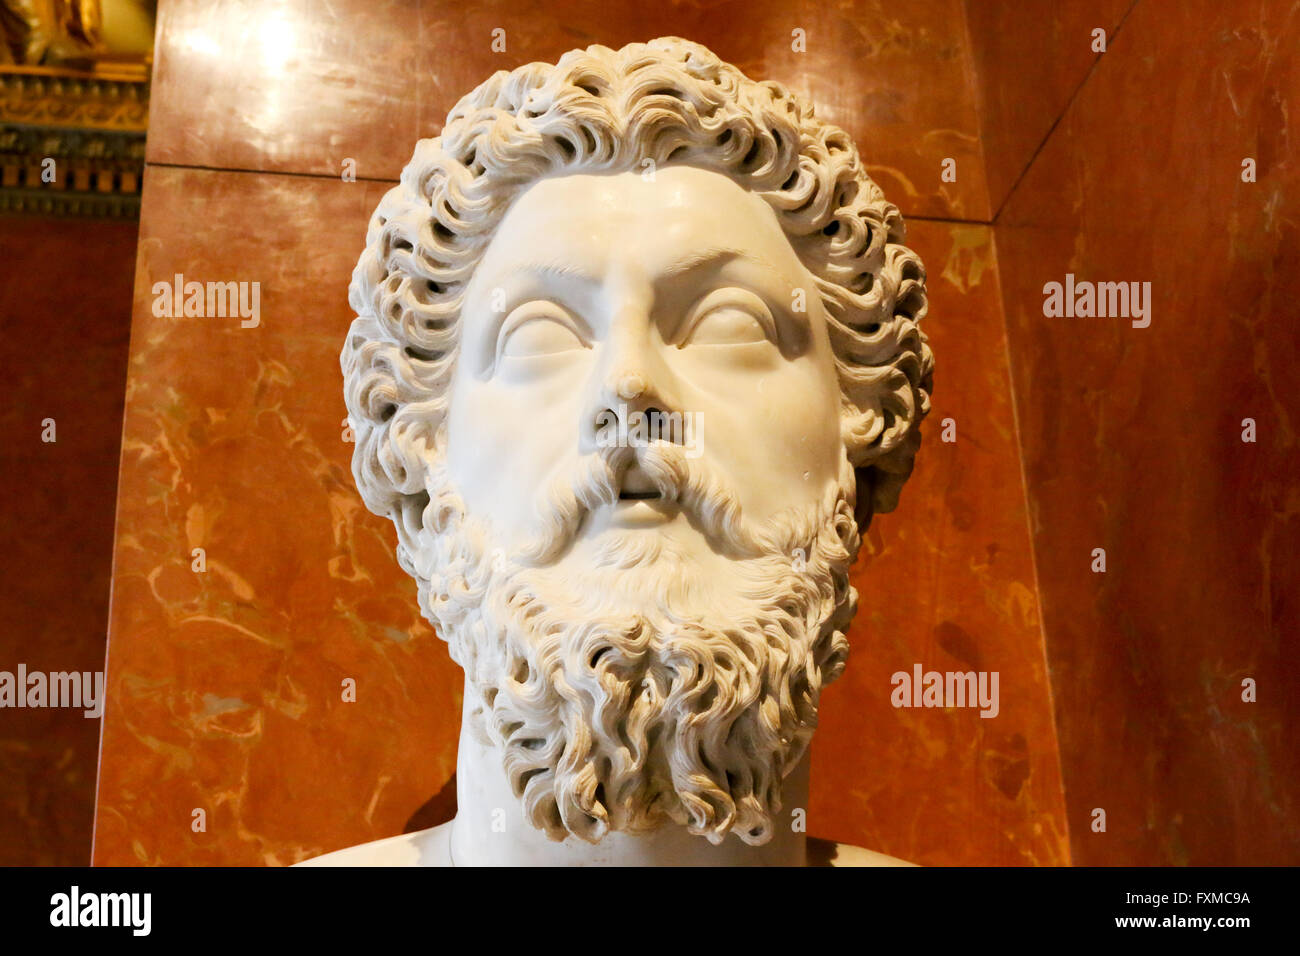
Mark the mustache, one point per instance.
(594, 482)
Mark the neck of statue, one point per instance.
(490, 828)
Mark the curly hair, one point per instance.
(672, 102)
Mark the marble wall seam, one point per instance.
(113, 597)
(973, 80)
(1011, 359)
(984, 82)
(1111, 37)
(272, 172)
(1030, 515)
(998, 206)
(1030, 530)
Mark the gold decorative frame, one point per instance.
(90, 123)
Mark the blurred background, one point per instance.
(1113, 140)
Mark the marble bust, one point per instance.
(637, 357)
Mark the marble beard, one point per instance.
(669, 700)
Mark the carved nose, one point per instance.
(630, 387)
(632, 395)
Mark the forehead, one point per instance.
(601, 220)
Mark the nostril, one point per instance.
(640, 427)
(662, 426)
(606, 422)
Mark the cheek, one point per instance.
(772, 427)
(508, 436)
(796, 414)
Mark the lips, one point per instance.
(640, 503)
(636, 485)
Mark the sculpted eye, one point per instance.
(538, 328)
(728, 317)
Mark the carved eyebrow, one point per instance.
(558, 270)
(716, 256)
(712, 256)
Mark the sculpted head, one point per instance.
(636, 357)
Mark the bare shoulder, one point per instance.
(422, 848)
(830, 853)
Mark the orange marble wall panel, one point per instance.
(286, 85)
(226, 686)
(1030, 57)
(298, 86)
(65, 305)
(1133, 436)
(947, 582)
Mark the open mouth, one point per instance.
(635, 485)
(638, 495)
(640, 503)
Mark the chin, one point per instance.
(626, 570)
(625, 548)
